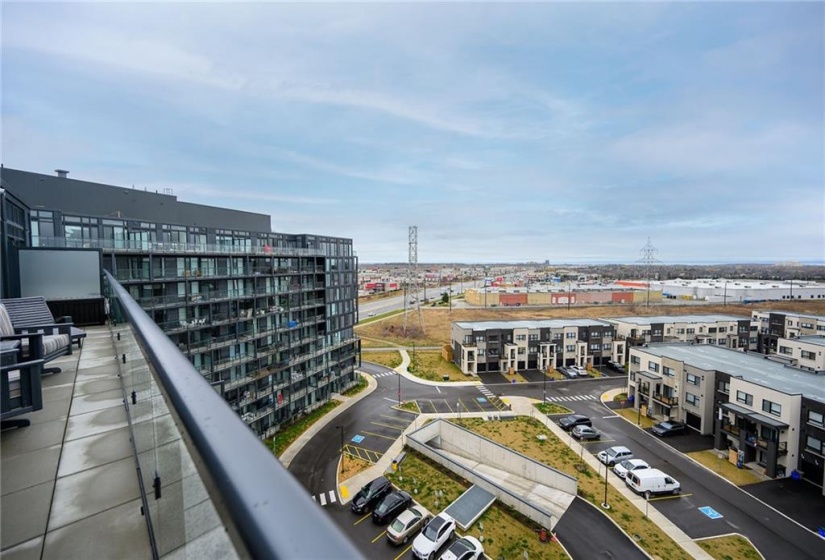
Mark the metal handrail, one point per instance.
(270, 513)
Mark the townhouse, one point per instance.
(727, 331)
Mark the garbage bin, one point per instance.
(445, 377)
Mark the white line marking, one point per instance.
(332, 496)
(323, 498)
(313, 499)
(614, 416)
(437, 388)
(391, 400)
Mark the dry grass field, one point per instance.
(437, 321)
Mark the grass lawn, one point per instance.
(730, 547)
(352, 391)
(390, 359)
(412, 406)
(723, 467)
(430, 365)
(368, 320)
(620, 397)
(290, 433)
(520, 435)
(505, 535)
(552, 408)
(632, 414)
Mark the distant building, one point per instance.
(728, 331)
(774, 325)
(739, 291)
(558, 295)
(266, 317)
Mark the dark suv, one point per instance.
(371, 494)
(389, 508)
(669, 428)
(569, 422)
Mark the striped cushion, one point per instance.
(51, 343)
(6, 329)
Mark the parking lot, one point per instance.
(481, 403)
(371, 439)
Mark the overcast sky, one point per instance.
(568, 132)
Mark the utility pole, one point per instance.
(413, 288)
(648, 258)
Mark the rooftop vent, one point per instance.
(62, 173)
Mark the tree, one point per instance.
(445, 297)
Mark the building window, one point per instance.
(814, 444)
(479, 338)
(570, 348)
(570, 335)
(557, 336)
(668, 371)
(816, 419)
(724, 387)
(468, 339)
(534, 338)
(692, 379)
(723, 329)
(521, 337)
(787, 350)
(711, 330)
(635, 360)
(480, 352)
(806, 325)
(521, 350)
(743, 397)
(721, 342)
(691, 331)
(653, 366)
(680, 331)
(607, 346)
(771, 407)
(808, 355)
(691, 399)
(595, 347)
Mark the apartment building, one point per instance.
(805, 352)
(481, 346)
(266, 317)
(769, 412)
(727, 331)
(773, 325)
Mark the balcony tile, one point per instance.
(119, 532)
(30, 512)
(97, 422)
(29, 550)
(25, 470)
(94, 451)
(97, 401)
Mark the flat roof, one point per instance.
(811, 339)
(534, 324)
(712, 318)
(755, 368)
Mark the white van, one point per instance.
(652, 481)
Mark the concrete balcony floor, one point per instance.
(68, 481)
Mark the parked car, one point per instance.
(652, 481)
(407, 524)
(616, 366)
(629, 465)
(569, 422)
(564, 371)
(579, 371)
(669, 428)
(392, 504)
(613, 455)
(370, 494)
(586, 432)
(371, 314)
(465, 548)
(437, 532)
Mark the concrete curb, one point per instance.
(290, 452)
(405, 363)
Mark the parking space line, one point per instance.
(323, 498)
(393, 418)
(379, 435)
(363, 518)
(390, 426)
(405, 551)
(448, 405)
(675, 496)
(478, 404)
(332, 496)
(379, 536)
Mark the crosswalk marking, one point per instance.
(323, 500)
(384, 374)
(570, 398)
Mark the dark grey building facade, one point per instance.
(266, 317)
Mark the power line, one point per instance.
(412, 288)
(648, 253)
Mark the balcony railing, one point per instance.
(261, 508)
(129, 245)
(670, 401)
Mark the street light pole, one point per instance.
(341, 427)
(399, 387)
(605, 505)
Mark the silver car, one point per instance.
(407, 524)
(629, 465)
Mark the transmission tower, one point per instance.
(412, 288)
(648, 259)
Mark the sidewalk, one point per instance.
(405, 363)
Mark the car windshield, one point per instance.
(382, 507)
(397, 525)
(461, 546)
(627, 465)
(667, 425)
(431, 531)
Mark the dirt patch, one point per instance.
(730, 547)
(389, 359)
(352, 466)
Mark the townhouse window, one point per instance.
(633, 376)
(493, 339)
(468, 339)
(570, 348)
(492, 352)
(557, 336)
(534, 338)
(814, 444)
(724, 387)
(653, 366)
(745, 398)
(595, 334)
(806, 325)
(607, 346)
(480, 352)
(608, 334)
(691, 399)
(808, 355)
(692, 379)
(723, 329)
(721, 342)
(595, 347)
(657, 332)
(521, 337)
(570, 335)
(521, 350)
(668, 371)
(711, 330)
(635, 360)
(787, 350)
(479, 338)
(752, 340)
(691, 331)
(534, 349)
(680, 331)
(771, 407)
(701, 329)
(816, 419)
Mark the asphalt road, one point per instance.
(582, 523)
(772, 533)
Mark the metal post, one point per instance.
(341, 427)
(605, 505)
(544, 381)
(458, 406)
(399, 387)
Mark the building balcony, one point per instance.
(666, 400)
(134, 246)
